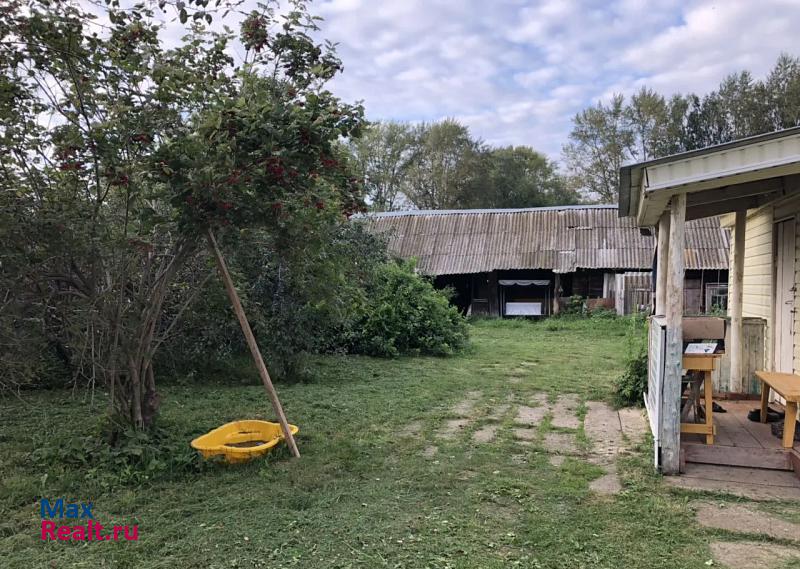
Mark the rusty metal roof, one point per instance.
(561, 239)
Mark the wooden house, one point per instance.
(754, 184)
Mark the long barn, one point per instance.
(508, 262)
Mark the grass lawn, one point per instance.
(364, 494)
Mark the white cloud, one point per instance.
(517, 71)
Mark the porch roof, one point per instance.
(735, 176)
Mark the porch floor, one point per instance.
(746, 459)
(734, 429)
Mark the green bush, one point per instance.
(576, 306)
(405, 314)
(630, 387)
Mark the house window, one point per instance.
(716, 297)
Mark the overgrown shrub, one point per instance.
(405, 314)
(629, 388)
(136, 457)
(576, 306)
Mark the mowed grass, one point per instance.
(363, 494)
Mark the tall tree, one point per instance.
(600, 142)
(515, 177)
(382, 157)
(648, 116)
(783, 87)
(118, 154)
(446, 163)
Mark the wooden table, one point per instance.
(787, 385)
(705, 363)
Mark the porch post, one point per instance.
(673, 366)
(662, 269)
(735, 304)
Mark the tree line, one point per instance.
(440, 165)
(649, 125)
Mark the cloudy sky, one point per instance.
(516, 71)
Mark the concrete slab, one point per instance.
(525, 434)
(752, 555)
(465, 407)
(609, 484)
(564, 412)
(634, 424)
(602, 427)
(560, 443)
(485, 434)
(744, 519)
(530, 416)
(451, 428)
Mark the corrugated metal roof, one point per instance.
(561, 239)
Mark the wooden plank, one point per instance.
(754, 476)
(794, 458)
(700, 362)
(735, 304)
(772, 459)
(671, 427)
(763, 434)
(697, 428)
(742, 438)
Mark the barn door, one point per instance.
(784, 297)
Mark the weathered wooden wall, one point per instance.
(754, 332)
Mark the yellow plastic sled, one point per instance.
(240, 441)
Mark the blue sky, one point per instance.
(517, 71)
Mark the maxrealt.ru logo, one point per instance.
(87, 530)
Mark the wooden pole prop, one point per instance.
(251, 342)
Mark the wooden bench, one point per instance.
(787, 385)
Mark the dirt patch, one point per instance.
(451, 428)
(634, 424)
(751, 555)
(465, 407)
(564, 412)
(485, 434)
(525, 434)
(531, 416)
(430, 451)
(739, 518)
(556, 460)
(602, 427)
(560, 443)
(412, 429)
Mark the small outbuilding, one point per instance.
(531, 262)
